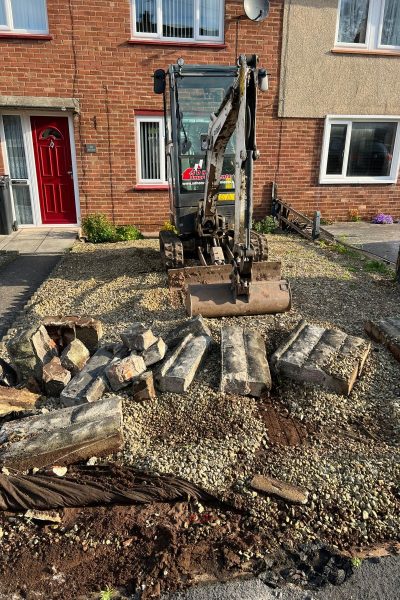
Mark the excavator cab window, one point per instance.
(197, 97)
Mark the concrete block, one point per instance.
(195, 326)
(178, 371)
(121, 372)
(138, 337)
(143, 387)
(245, 369)
(91, 383)
(325, 357)
(386, 332)
(55, 377)
(75, 357)
(155, 353)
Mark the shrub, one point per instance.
(168, 226)
(124, 233)
(354, 215)
(266, 225)
(98, 229)
(383, 219)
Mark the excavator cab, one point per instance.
(210, 145)
(191, 94)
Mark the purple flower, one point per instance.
(383, 219)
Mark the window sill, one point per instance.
(149, 187)
(209, 45)
(365, 52)
(25, 36)
(355, 181)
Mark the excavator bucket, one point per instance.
(208, 291)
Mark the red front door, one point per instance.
(54, 169)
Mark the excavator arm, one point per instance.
(236, 114)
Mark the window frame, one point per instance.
(197, 39)
(9, 28)
(373, 36)
(348, 120)
(150, 119)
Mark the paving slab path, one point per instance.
(381, 240)
(39, 252)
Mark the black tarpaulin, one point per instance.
(90, 486)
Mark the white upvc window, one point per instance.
(197, 21)
(23, 16)
(369, 25)
(360, 149)
(150, 150)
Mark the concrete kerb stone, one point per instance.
(245, 370)
(178, 371)
(196, 326)
(90, 384)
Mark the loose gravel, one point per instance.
(350, 461)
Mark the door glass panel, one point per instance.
(391, 24)
(146, 16)
(29, 15)
(353, 21)
(22, 204)
(336, 150)
(210, 18)
(18, 169)
(51, 131)
(15, 147)
(3, 18)
(371, 149)
(178, 18)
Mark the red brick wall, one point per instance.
(90, 58)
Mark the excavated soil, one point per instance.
(344, 450)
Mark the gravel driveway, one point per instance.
(350, 459)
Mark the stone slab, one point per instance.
(16, 400)
(386, 332)
(326, 357)
(178, 371)
(195, 326)
(63, 437)
(90, 384)
(245, 370)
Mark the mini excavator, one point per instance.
(210, 146)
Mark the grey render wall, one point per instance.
(315, 82)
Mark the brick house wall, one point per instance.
(90, 58)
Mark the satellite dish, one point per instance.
(256, 10)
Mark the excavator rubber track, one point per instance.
(260, 246)
(171, 250)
